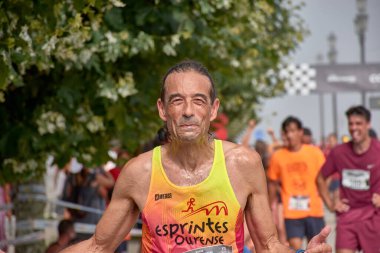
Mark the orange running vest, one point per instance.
(205, 217)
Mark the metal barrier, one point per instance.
(24, 239)
(43, 224)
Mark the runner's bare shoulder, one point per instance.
(243, 158)
(135, 175)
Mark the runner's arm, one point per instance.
(324, 192)
(257, 211)
(116, 222)
(273, 188)
(376, 200)
(248, 133)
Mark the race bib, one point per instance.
(356, 179)
(212, 249)
(300, 203)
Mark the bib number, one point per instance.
(212, 249)
(356, 179)
(300, 203)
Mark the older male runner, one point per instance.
(358, 165)
(193, 192)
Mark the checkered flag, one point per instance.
(299, 79)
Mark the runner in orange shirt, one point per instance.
(296, 167)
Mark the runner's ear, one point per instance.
(214, 109)
(161, 109)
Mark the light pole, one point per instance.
(332, 55)
(360, 21)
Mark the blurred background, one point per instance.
(79, 81)
(343, 33)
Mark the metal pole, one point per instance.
(362, 61)
(321, 116)
(362, 47)
(360, 22)
(363, 97)
(335, 112)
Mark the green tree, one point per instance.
(76, 74)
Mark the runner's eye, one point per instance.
(176, 101)
(199, 101)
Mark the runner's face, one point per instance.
(332, 141)
(358, 127)
(293, 135)
(306, 139)
(187, 108)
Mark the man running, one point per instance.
(358, 165)
(295, 167)
(194, 191)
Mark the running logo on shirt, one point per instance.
(218, 206)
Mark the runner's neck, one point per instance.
(190, 155)
(362, 147)
(295, 148)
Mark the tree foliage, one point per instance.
(75, 74)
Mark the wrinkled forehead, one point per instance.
(187, 83)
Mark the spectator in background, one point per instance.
(87, 187)
(114, 169)
(5, 199)
(248, 133)
(332, 181)
(55, 179)
(296, 168)
(219, 127)
(260, 146)
(372, 133)
(331, 142)
(307, 137)
(66, 235)
(275, 143)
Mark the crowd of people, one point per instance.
(302, 175)
(194, 192)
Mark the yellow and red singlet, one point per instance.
(205, 217)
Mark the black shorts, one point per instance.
(309, 227)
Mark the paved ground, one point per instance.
(330, 220)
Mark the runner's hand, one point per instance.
(376, 200)
(341, 205)
(270, 131)
(318, 243)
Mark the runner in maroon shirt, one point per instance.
(358, 206)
